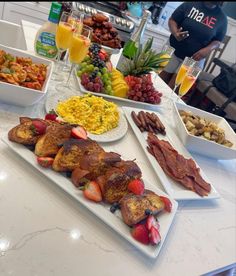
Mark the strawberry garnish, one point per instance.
(45, 162)
(92, 191)
(140, 233)
(136, 186)
(152, 222)
(51, 116)
(79, 132)
(154, 236)
(167, 202)
(38, 127)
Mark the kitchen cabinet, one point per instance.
(36, 12)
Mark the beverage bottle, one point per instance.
(131, 46)
(45, 44)
(163, 18)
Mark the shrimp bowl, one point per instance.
(24, 78)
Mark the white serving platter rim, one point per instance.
(172, 188)
(100, 210)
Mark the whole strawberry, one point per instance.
(38, 127)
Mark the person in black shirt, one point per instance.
(196, 29)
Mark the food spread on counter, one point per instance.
(21, 71)
(206, 129)
(102, 176)
(95, 114)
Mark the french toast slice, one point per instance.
(70, 154)
(133, 206)
(93, 165)
(49, 144)
(24, 133)
(114, 183)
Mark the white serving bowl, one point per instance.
(201, 145)
(19, 95)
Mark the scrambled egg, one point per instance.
(95, 114)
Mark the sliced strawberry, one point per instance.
(39, 127)
(154, 236)
(140, 233)
(79, 132)
(167, 202)
(92, 191)
(136, 186)
(152, 222)
(45, 162)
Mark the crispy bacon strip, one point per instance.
(177, 167)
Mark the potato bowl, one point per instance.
(19, 95)
(199, 144)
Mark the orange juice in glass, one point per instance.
(187, 63)
(181, 74)
(79, 48)
(189, 80)
(64, 35)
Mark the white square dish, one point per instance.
(201, 145)
(19, 95)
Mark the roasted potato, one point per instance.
(198, 126)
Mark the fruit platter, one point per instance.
(96, 75)
(111, 187)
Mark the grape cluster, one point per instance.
(141, 89)
(94, 75)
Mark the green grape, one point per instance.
(99, 74)
(79, 73)
(83, 64)
(96, 68)
(104, 70)
(90, 68)
(87, 58)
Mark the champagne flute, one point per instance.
(76, 19)
(188, 81)
(187, 63)
(63, 38)
(78, 50)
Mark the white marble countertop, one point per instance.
(45, 232)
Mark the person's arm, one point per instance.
(204, 52)
(176, 31)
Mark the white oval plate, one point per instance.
(109, 136)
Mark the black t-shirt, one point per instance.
(203, 24)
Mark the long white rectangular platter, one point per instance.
(124, 101)
(174, 189)
(100, 210)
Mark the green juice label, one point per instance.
(46, 46)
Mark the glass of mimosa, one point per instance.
(78, 50)
(187, 63)
(189, 79)
(76, 20)
(63, 38)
